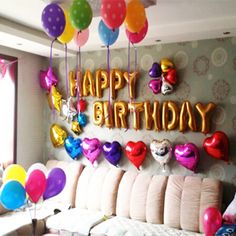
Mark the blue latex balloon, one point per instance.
(107, 36)
(12, 195)
(73, 147)
(82, 119)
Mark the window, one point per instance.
(8, 107)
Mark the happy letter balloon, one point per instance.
(161, 151)
(56, 181)
(187, 155)
(217, 146)
(53, 20)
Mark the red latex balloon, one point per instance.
(136, 152)
(81, 105)
(212, 221)
(217, 146)
(113, 13)
(35, 185)
(137, 37)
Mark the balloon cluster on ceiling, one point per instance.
(64, 25)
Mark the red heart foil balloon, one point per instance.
(136, 152)
(217, 146)
(171, 76)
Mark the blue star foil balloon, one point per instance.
(226, 230)
(73, 147)
(82, 119)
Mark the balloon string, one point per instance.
(66, 67)
(109, 81)
(130, 100)
(78, 75)
(135, 57)
(50, 65)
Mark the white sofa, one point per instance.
(112, 202)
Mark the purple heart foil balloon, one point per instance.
(155, 85)
(155, 70)
(187, 155)
(47, 79)
(112, 152)
(92, 149)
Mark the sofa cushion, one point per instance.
(120, 226)
(75, 220)
(72, 170)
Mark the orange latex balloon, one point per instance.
(54, 98)
(205, 112)
(88, 86)
(187, 117)
(101, 82)
(116, 82)
(98, 117)
(57, 135)
(152, 115)
(169, 121)
(120, 113)
(135, 16)
(131, 79)
(136, 108)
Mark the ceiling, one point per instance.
(169, 21)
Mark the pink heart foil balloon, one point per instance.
(47, 79)
(155, 85)
(91, 149)
(187, 155)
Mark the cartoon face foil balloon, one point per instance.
(161, 150)
(166, 88)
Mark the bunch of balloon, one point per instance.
(54, 23)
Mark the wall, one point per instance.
(30, 102)
(206, 73)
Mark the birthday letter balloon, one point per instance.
(169, 122)
(57, 135)
(217, 146)
(161, 150)
(136, 108)
(120, 113)
(98, 118)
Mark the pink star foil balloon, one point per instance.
(47, 79)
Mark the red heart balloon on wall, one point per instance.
(136, 152)
(171, 76)
(217, 146)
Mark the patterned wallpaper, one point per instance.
(206, 73)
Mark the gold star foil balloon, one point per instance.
(57, 135)
(54, 97)
(75, 127)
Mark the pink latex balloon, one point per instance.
(91, 149)
(187, 155)
(35, 185)
(212, 221)
(81, 37)
(47, 79)
(3, 68)
(113, 13)
(137, 37)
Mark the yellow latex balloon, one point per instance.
(54, 97)
(68, 32)
(15, 172)
(135, 16)
(57, 135)
(166, 64)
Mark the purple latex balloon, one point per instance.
(155, 85)
(155, 70)
(187, 155)
(56, 181)
(47, 78)
(53, 20)
(91, 149)
(112, 152)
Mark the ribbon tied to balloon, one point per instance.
(187, 155)
(161, 150)
(112, 152)
(217, 146)
(163, 76)
(136, 152)
(92, 149)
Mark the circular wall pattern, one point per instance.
(220, 89)
(201, 65)
(194, 44)
(146, 62)
(117, 62)
(233, 100)
(89, 64)
(219, 115)
(183, 91)
(219, 57)
(181, 60)
(217, 172)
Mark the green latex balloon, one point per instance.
(80, 14)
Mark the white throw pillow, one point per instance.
(230, 213)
